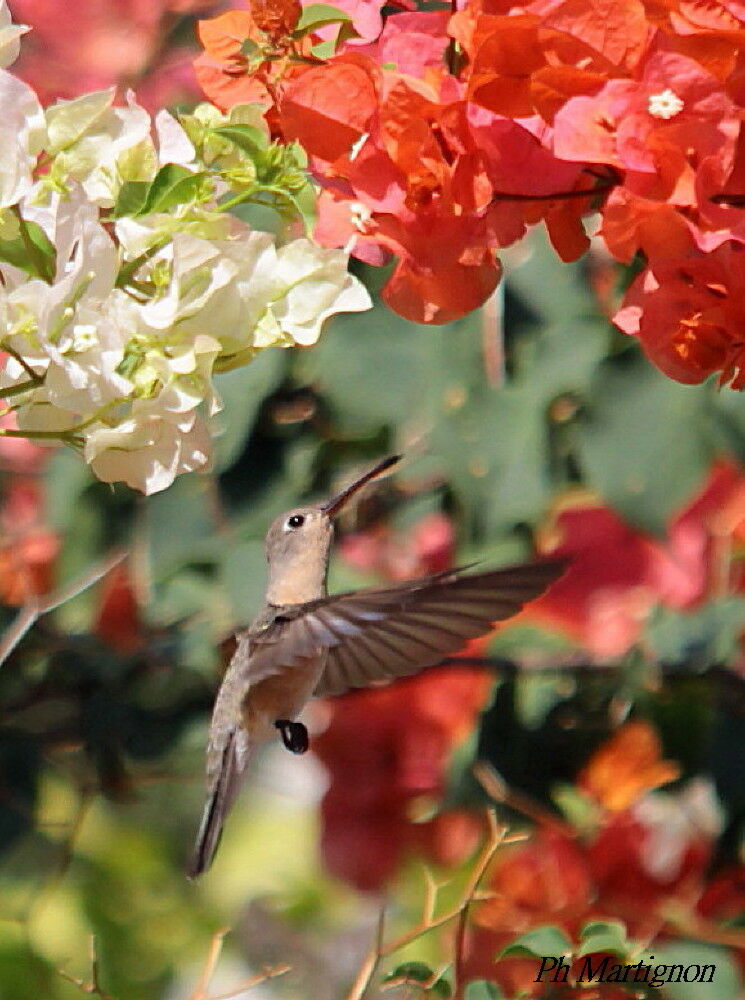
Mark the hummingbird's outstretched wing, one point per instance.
(377, 635)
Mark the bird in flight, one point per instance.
(306, 643)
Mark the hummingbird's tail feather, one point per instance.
(222, 794)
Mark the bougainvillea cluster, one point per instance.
(642, 858)
(127, 283)
(439, 136)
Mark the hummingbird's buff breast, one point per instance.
(281, 696)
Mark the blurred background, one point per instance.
(608, 719)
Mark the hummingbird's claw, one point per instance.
(294, 735)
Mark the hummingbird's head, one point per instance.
(298, 543)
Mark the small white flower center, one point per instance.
(354, 152)
(361, 216)
(84, 336)
(665, 105)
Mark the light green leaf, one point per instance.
(177, 522)
(35, 254)
(604, 936)
(709, 634)
(249, 138)
(540, 942)
(173, 185)
(242, 392)
(243, 575)
(419, 972)
(317, 15)
(482, 989)
(726, 980)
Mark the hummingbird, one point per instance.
(306, 643)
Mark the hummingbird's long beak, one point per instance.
(337, 502)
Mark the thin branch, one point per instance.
(492, 337)
(33, 376)
(210, 963)
(495, 840)
(498, 790)
(200, 991)
(93, 988)
(430, 922)
(557, 195)
(270, 972)
(36, 606)
(418, 984)
(369, 966)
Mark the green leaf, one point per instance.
(131, 198)
(176, 522)
(362, 394)
(729, 422)
(242, 392)
(172, 185)
(708, 635)
(500, 444)
(419, 972)
(251, 50)
(246, 137)
(541, 942)
(726, 981)
(243, 575)
(318, 15)
(604, 936)
(35, 254)
(646, 441)
(536, 694)
(482, 989)
(66, 476)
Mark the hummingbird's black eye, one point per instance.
(296, 521)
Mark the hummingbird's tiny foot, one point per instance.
(294, 735)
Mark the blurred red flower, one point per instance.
(386, 752)
(104, 43)
(644, 861)
(118, 620)
(617, 574)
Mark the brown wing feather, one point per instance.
(397, 631)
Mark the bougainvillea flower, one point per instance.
(618, 575)
(632, 223)
(328, 108)
(664, 124)
(250, 55)
(689, 315)
(654, 852)
(222, 69)
(627, 765)
(427, 548)
(365, 17)
(411, 43)
(118, 621)
(385, 751)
